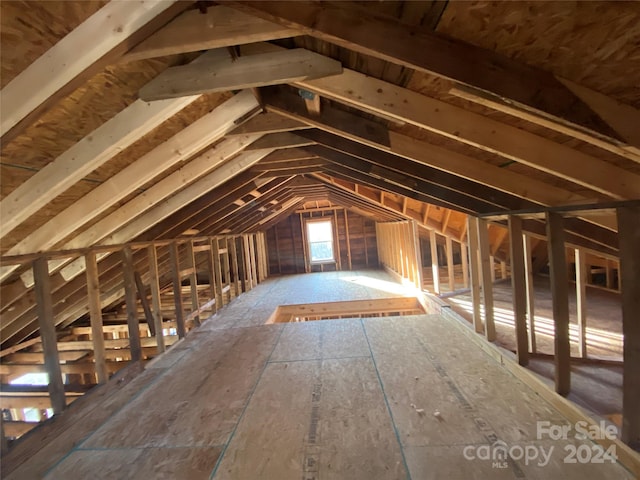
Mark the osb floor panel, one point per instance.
(335, 399)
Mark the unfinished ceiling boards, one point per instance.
(590, 43)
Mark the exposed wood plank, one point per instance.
(203, 165)
(530, 292)
(221, 73)
(560, 300)
(519, 288)
(46, 321)
(185, 196)
(193, 282)
(435, 270)
(194, 31)
(85, 156)
(464, 255)
(95, 313)
(268, 123)
(589, 136)
(450, 272)
(99, 34)
(581, 300)
(629, 224)
(154, 284)
(215, 249)
(474, 267)
(461, 62)
(142, 295)
(130, 298)
(454, 122)
(486, 266)
(621, 117)
(187, 142)
(174, 255)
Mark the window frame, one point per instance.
(308, 241)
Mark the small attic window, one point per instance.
(320, 241)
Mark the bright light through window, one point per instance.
(320, 238)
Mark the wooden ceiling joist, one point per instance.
(63, 66)
(187, 142)
(220, 26)
(217, 71)
(376, 96)
(359, 30)
(85, 156)
(431, 155)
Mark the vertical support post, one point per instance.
(418, 255)
(581, 301)
(336, 233)
(450, 271)
(95, 313)
(503, 270)
(348, 240)
(434, 262)
(492, 265)
(145, 304)
(464, 257)
(193, 282)
(174, 259)
(212, 276)
(560, 299)
(474, 267)
(486, 268)
(519, 288)
(226, 264)
(247, 262)
(132, 307)
(215, 252)
(528, 267)
(253, 260)
(156, 303)
(46, 322)
(608, 274)
(305, 245)
(364, 239)
(231, 245)
(629, 237)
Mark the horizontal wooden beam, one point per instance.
(217, 71)
(220, 26)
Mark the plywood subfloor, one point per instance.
(378, 398)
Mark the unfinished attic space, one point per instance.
(385, 240)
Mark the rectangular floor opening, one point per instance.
(380, 307)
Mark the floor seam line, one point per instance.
(386, 401)
(235, 428)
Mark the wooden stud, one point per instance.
(560, 299)
(348, 240)
(486, 267)
(215, 248)
(465, 264)
(581, 300)
(629, 232)
(435, 270)
(95, 313)
(132, 308)
(233, 252)
(253, 259)
(193, 281)
(154, 284)
(519, 288)
(174, 259)
(450, 271)
(474, 268)
(305, 245)
(336, 239)
(503, 270)
(492, 266)
(419, 281)
(530, 292)
(226, 266)
(142, 295)
(46, 321)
